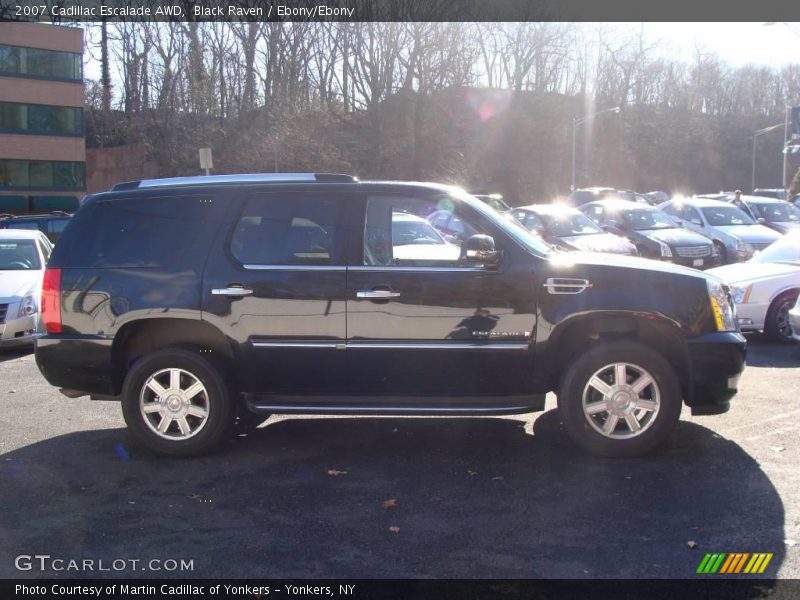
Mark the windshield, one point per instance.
(776, 212)
(407, 232)
(18, 255)
(513, 228)
(784, 250)
(567, 225)
(648, 219)
(723, 216)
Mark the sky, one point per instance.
(737, 43)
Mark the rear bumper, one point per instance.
(77, 363)
(716, 361)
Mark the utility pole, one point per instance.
(575, 122)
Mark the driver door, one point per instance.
(421, 321)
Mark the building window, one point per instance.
(42, 174)
(46, 64)
(41, 119)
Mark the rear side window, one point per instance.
(296, 229)
(158, 232)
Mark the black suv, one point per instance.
(200, 301)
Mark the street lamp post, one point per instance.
(578, 121)
(755, 137)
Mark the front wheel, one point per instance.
(776, 324)
(619, 399)
(177, 403)
(720, 253)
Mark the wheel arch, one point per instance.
(143, 336)
(574, 336)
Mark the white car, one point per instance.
(23, 256)
(766, 287)
(415, 239)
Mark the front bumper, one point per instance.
(716, 361)
(18, 331)
(751, 316)
(794, 321)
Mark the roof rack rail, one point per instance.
(239, 178)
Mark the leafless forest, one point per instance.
(488, 105)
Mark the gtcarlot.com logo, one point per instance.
(46, 562)
(734, 563)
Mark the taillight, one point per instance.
(51, 300)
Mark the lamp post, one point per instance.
(578, 121)
(755, 137)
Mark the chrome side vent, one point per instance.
(565, 285)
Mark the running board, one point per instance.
(393, 406)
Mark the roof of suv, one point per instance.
(236, 178)
(619, 204)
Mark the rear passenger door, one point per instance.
(277, 288)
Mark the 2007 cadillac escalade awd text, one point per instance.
(205, 301)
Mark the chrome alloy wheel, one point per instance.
(621, 400)
(174, 404)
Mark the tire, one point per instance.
(659, 403)
(722, 253)
(189, 432)
(776, 323)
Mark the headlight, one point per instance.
(741, 246)
(721, 306)
(28, 306)
(741, 295)
(665, 249)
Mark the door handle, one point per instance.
(231, 291)
(377, 294)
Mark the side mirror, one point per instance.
(480, 250)
(761, 221)
(604, 227)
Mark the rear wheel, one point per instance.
(176, 403)
(776, 324)
(620, 399)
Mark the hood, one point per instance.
(566, 260)
(675, 237)
(751, 271)
(15, 284)
(600, 242)
(751, 234)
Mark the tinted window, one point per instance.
(36, 62)
(167, 232)
(276, 230)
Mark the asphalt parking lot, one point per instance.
(422, 497)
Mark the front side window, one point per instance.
(404, 231)
(296, 230)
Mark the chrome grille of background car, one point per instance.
(694, 251)
(3, 310)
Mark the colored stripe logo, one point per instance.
(734, 563)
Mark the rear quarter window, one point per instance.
(155, 232)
